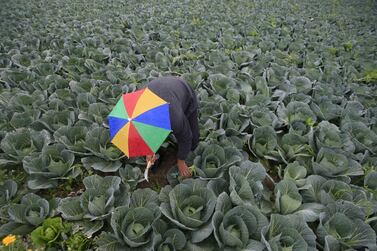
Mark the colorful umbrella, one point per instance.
(139, 123)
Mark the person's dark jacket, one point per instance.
(183, 111)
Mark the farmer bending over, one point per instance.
(183, 116)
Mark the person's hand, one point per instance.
(183, 169)
(151, 158)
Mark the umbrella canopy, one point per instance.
(139, 123)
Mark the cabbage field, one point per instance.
(287, 159)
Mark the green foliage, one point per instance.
(51, 233)
(78, 242)
(287, 120)
(369, 77)
(101, 196)
(30, 212)
(189, 206)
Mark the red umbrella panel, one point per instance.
(139, 123)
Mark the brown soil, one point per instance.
(157, 179)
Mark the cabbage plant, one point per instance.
(288, 198)
(104, 155)
(18, 144)
(167, 239)
(45, 169)
(311, 191)
(325, 109)
(264, 143)
(334, 190)
(363, 137)
(245, 183)
(101, 196)
(261, 116)
(328, 135)
(296, 111)
(288, 232)
(96, 113)
(212, 160)
(293, 146)
(335, 163)
(342, 227)
(29, 213)
(8, 190)
(53, 120)
(52, 231)
(302, 84)
(132, 224)
(234, 120)
(73, 138)
(189, 206)
(131, 175)
(235, 227)
(296, 172)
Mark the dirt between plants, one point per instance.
(158, 177)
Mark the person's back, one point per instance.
(183, 115)
(176, 91)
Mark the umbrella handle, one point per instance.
(149, 164)
(147, 170)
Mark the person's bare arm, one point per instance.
(151, 158)
(183, 168)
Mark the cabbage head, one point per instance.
(166, 239)
(289, 232)
(190, 206)
(363, 137)
(342, 226)
(212, 160)
(245, 183)
(333, 163)
(264, 142)
(295, 172)
(235, 227)
(132, 225)
(328, 135)
(288, 199)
